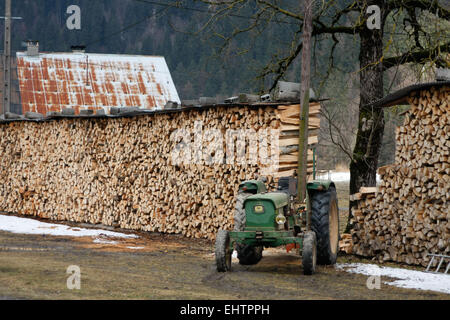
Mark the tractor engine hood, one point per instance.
(262, 209)
(279, 199)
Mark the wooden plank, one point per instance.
(294, 111)
(313, 123)
(294, 157)
(366, 190)
(288, 141)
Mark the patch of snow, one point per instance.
(410, 279)
(136, 248)
(102, 241)
(31, 226)
(337, 176)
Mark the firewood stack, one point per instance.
(120, 171)
(288, 143)
(408, 216)
(346, 243)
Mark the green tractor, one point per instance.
(271, 219)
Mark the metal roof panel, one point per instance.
(54, 81)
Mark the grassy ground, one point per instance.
(168, 267)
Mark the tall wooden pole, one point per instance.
(304, 100)
(7, 59)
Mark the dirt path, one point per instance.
(167, 267)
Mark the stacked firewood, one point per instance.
(407, 217)
(124, 172)
(346, 243)
(288, 143)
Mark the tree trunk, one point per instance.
(363, 167)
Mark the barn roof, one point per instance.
(78, 80)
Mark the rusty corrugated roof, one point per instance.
(54, 81)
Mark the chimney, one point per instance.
(32, 47)
(78, 49)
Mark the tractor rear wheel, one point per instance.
(325, 223)
(247, 255)
(223, 251)
(239, 211)
(309, 253)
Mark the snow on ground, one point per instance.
(410, 279)
(234, 256)
(337, 176)
(31, 226)
(102, 241)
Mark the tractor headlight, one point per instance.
(280, 219)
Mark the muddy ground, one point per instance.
(168, 267)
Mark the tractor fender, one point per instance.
(320, 185)
(252, 186)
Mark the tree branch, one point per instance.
(418, 57)
(428, 5)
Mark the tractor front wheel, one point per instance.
(223, 251)
(309, 253)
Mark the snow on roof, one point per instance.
(54, 81)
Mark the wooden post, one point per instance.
(304, 101)
(7, 59)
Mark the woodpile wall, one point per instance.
(120, 172)
(407, 217)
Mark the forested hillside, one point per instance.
(149, 29)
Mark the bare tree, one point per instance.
(334, 19)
